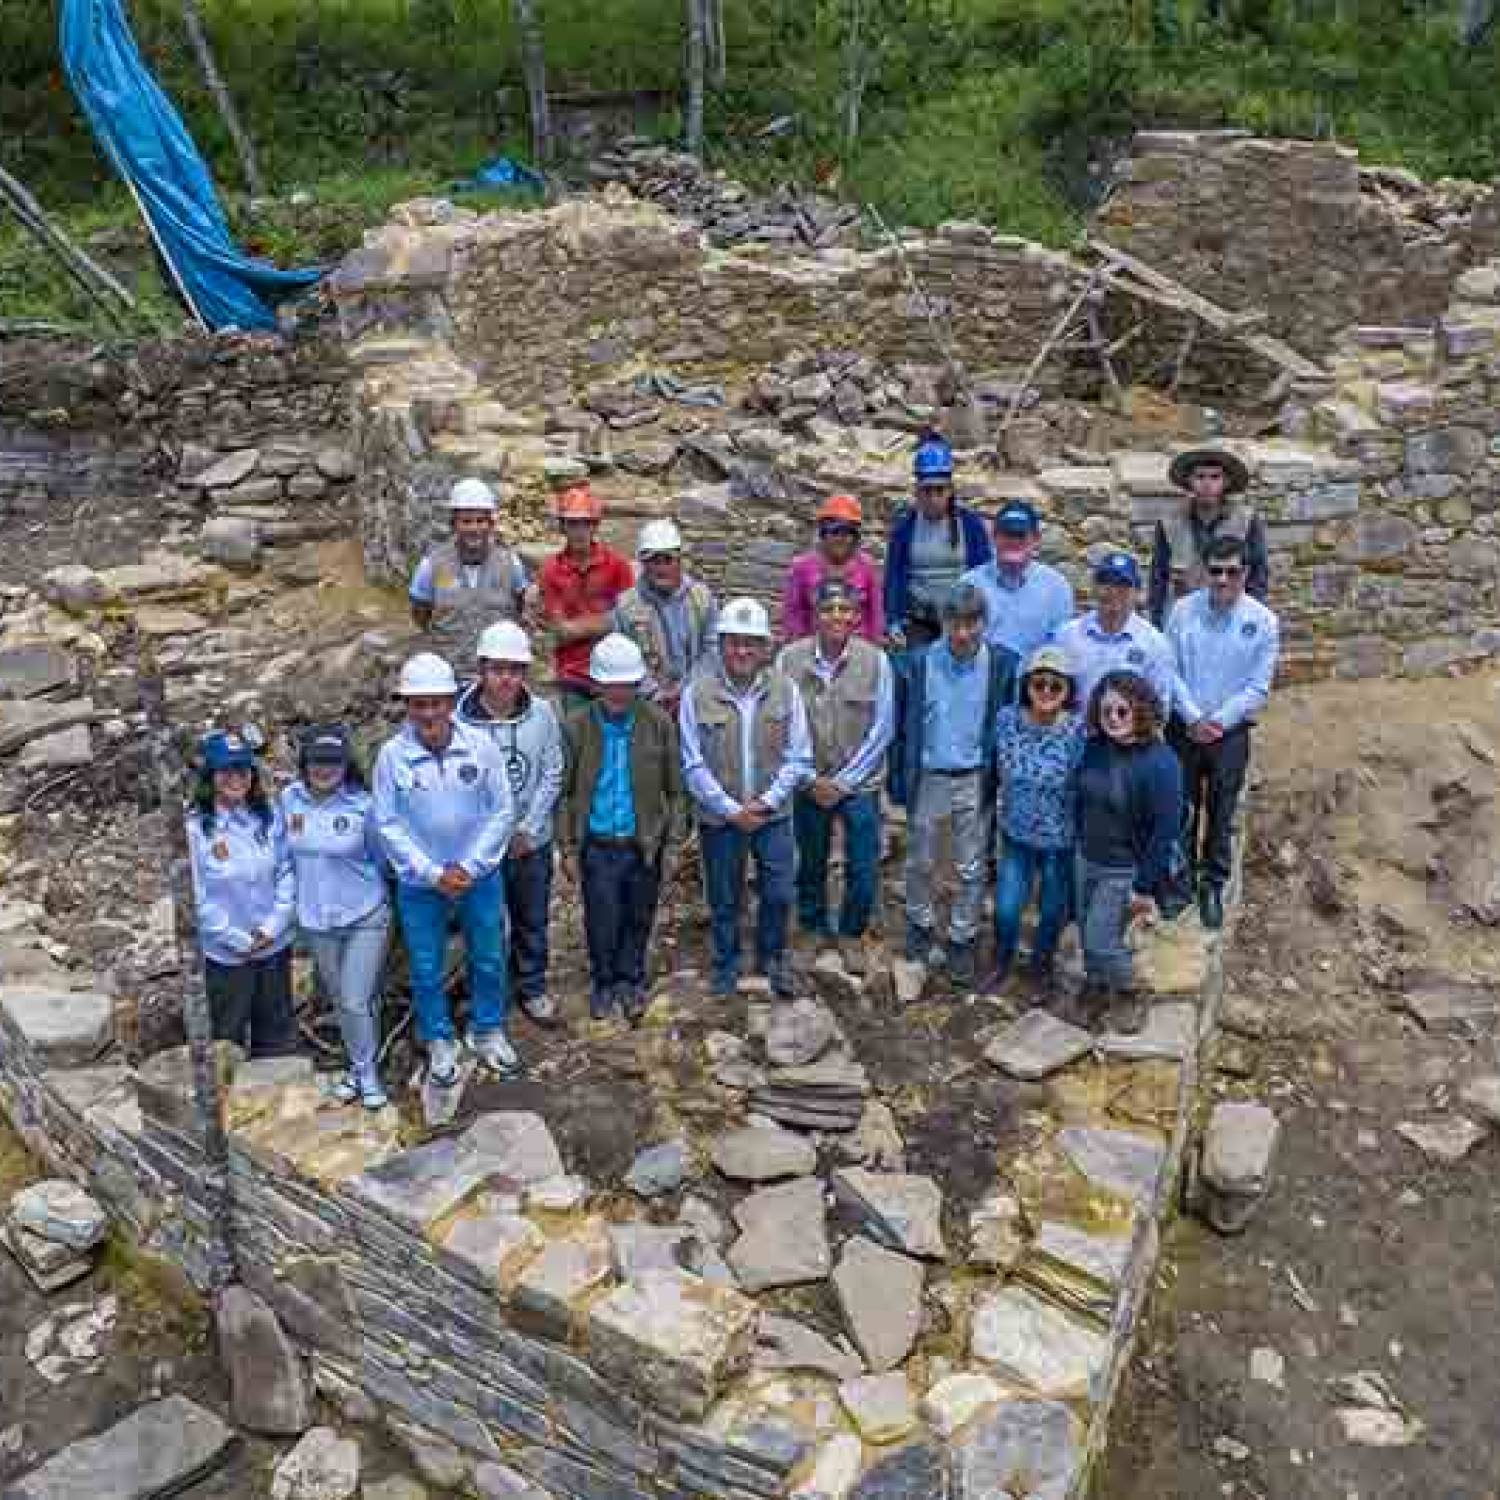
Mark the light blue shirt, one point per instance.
(1138, 647)
(612, 809)
(1026, 614)
(335, 855)
(242, 880)
(433, 810)
(953, 711)
(796, 760)
(1225, 658)
(861, 766)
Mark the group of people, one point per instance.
(1095, 758)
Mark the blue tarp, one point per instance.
(149, 146)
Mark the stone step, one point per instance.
(64, 1028)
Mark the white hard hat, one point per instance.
(658, 536)
(616, 659)
(472, 494)
(426, 675)
(745, 617)
(504, 641)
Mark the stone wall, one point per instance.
(1296, 229)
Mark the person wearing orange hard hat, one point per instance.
(579, 587)
(838, 554)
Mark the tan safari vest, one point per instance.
(1187, 565)
(460, 612)
(720, 738)
(641, 621)
(840, 712)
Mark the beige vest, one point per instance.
(841, 711)
(721, 740)
(641, 621)
(1187, 565)
(461, 610)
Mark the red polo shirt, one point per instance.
(570, 592)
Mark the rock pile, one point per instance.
(53, 1229)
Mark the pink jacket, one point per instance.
(799, 614)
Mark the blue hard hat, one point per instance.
(1018, 518)
(1118, 567)
(934, 459)
(224, 750)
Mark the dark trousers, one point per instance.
(251, 1003)
(1212, 779)
(620, 891)
(813, 827)
(725, 853)
(528, 895)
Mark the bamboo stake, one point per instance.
(198, 38)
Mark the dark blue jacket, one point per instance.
(911, 702)
(978, 550)
(1130, 809)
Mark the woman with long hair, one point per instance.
(343, 908)
(246, 899)
(1129, 814)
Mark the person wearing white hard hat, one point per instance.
(670, 615)
(526, 732)
(470, 579)
(746, 748)
(622, 809)
(445, 814)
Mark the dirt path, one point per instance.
(1368, 1256)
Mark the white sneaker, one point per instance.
(442, 1062)
(495, 1052)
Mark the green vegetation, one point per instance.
(988, 109)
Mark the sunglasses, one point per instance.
(1229, 570)
(838, 528)
(1044, 684)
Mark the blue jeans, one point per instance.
(813, 825)
(725, 850)
(528, 899)
(351, 964)
(1103, 918)
(1021, 866)
(425, 915)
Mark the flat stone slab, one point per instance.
(1023, 1448)
(783, 1236)
(60, 1211)
(659, 1169)
(899, 1210)
(785, 1344)
(880, 1406)
(26, 671)
(880, 1296)
(50, 1266)
(761, 1154)
(1101, 1259)
(1447, 1141)
(24, 721)
(1037, 1045)
(323, 1466)
(157, 1450)
(1238, 1146)
(1119, 1161)
(800, 1033)
(1450, 1005)
(957, 1399)
(1171, 1031)
(672, 1340)
(517, 1145)
(917, 1470)
(1037, 1345)
(65, 1028)
(488, 1249)
(1482, 1096)
(551, 1286)
(267, 1383)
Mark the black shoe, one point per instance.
(782, 976)
(633, 1001)
(960, 965)
(1128, 1011)
(601, 1003)
(1211, 907)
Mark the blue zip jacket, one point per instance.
(911, 706)
(978, 549)
(1130, 809)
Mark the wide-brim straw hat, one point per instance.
(1236, 475)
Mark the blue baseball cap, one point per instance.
(326, 745)
(224, 750)
(1018, 518)
(1118, 567)
(934, 459)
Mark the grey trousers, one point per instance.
(351, 964)
(1103, 916)
(959, 802)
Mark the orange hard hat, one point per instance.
(842, 508)
(578, 503)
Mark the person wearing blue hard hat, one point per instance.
(245, 893)
(932, 543)
(1026, 601)
(343, 908)
(1114, 637)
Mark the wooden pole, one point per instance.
(534, 70)
(197, 32)
(208, 1109)
(697, 49)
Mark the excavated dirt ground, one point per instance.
(1374, 832)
